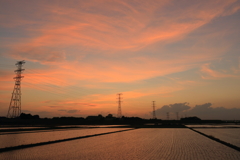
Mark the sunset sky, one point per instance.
(184, 55)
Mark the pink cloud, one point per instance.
(135, 27)
(209, 73)
(72, 73)
(133, 30)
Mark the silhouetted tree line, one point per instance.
(190, 119)
(28, 116)
(98, 120)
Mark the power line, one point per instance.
(51, 82)
(51, 85)
(44, 89)
(45, 84)
(52, 90)
(44, 80)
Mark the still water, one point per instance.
(10, 140)
(158, 143)
(214, 126)
(229, 135)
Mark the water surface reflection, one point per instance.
(164, 143)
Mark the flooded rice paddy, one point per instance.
(10, 139)
(229, 135)
(145, 143)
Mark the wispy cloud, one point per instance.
(209, 73)
(69, 111)
(94, 49)
(97, 27)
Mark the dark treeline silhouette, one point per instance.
(28, 119)
(191, 119)
(28, 116)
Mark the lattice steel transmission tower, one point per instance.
(177, 115)
(167, 115)
(154, 113)
(119, 113)
(15, 103)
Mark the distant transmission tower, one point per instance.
(119, 113)
(154, 113)
(15, 103)
(177, 115)
(167, 115)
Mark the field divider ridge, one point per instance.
(57, 141)
(217, 140)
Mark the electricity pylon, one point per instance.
(15, 103)
(167, 115)
(154, 113)
(119, 113)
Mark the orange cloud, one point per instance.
(136, 26)
(103, 71)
